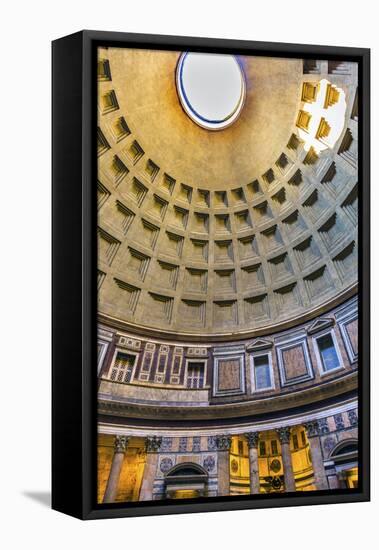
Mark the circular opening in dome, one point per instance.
(211, 88)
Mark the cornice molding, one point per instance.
(239, 427)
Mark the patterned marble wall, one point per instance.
(229, 371)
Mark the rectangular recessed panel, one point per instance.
(107, 246)
(346, 262)
(229, 375)
(294, 362)
(192, 313)
(158, 307)
(257, 308)
(248, 247)
(167, 274)
(307, 252)
(352, 331)
(147, 234)
(225, 313)
(137, 263)
(253, 277)
(332, 231)
(223, 252)
(195, 280)
(287, 299)
(173, 244)
(199, 250)
(318, 283)
(225, 281)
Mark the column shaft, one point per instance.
(254, 470)
(321, 481)
(152, 446)
(289, 478)
(223, 472)
(114, 475)
(313, 430)
(252, 440)
(223, 467)
(149, 476)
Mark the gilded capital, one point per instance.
(284, 434)
(121, 443)
(252, 439)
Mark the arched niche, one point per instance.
(186, 480)
(345, 458)
(345, 447)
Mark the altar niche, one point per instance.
(186, 480)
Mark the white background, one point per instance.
(26, 31)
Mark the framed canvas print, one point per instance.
(210, 274)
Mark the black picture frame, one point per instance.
(74, 383)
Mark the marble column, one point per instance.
(312, 429)
(223, 443)
(289, 478)
(252, 440)
(152, 446)
(120, 445)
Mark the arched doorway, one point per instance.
(186, 480)
(345, 457)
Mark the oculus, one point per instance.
(211, 88)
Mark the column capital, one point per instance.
(284, 434)
(312, 428)
(153, 444)
(252, 439)
(223, 442)
(121, 443)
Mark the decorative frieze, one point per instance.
(353, 418)
(163, 363)
(196, 444)
(212, 445)
(223, 442)
(197, 352)
(183, 445)
(153, 444)
(166, 444)
(129, 343)
(338, 420)
(312, 428)
(323, 426)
